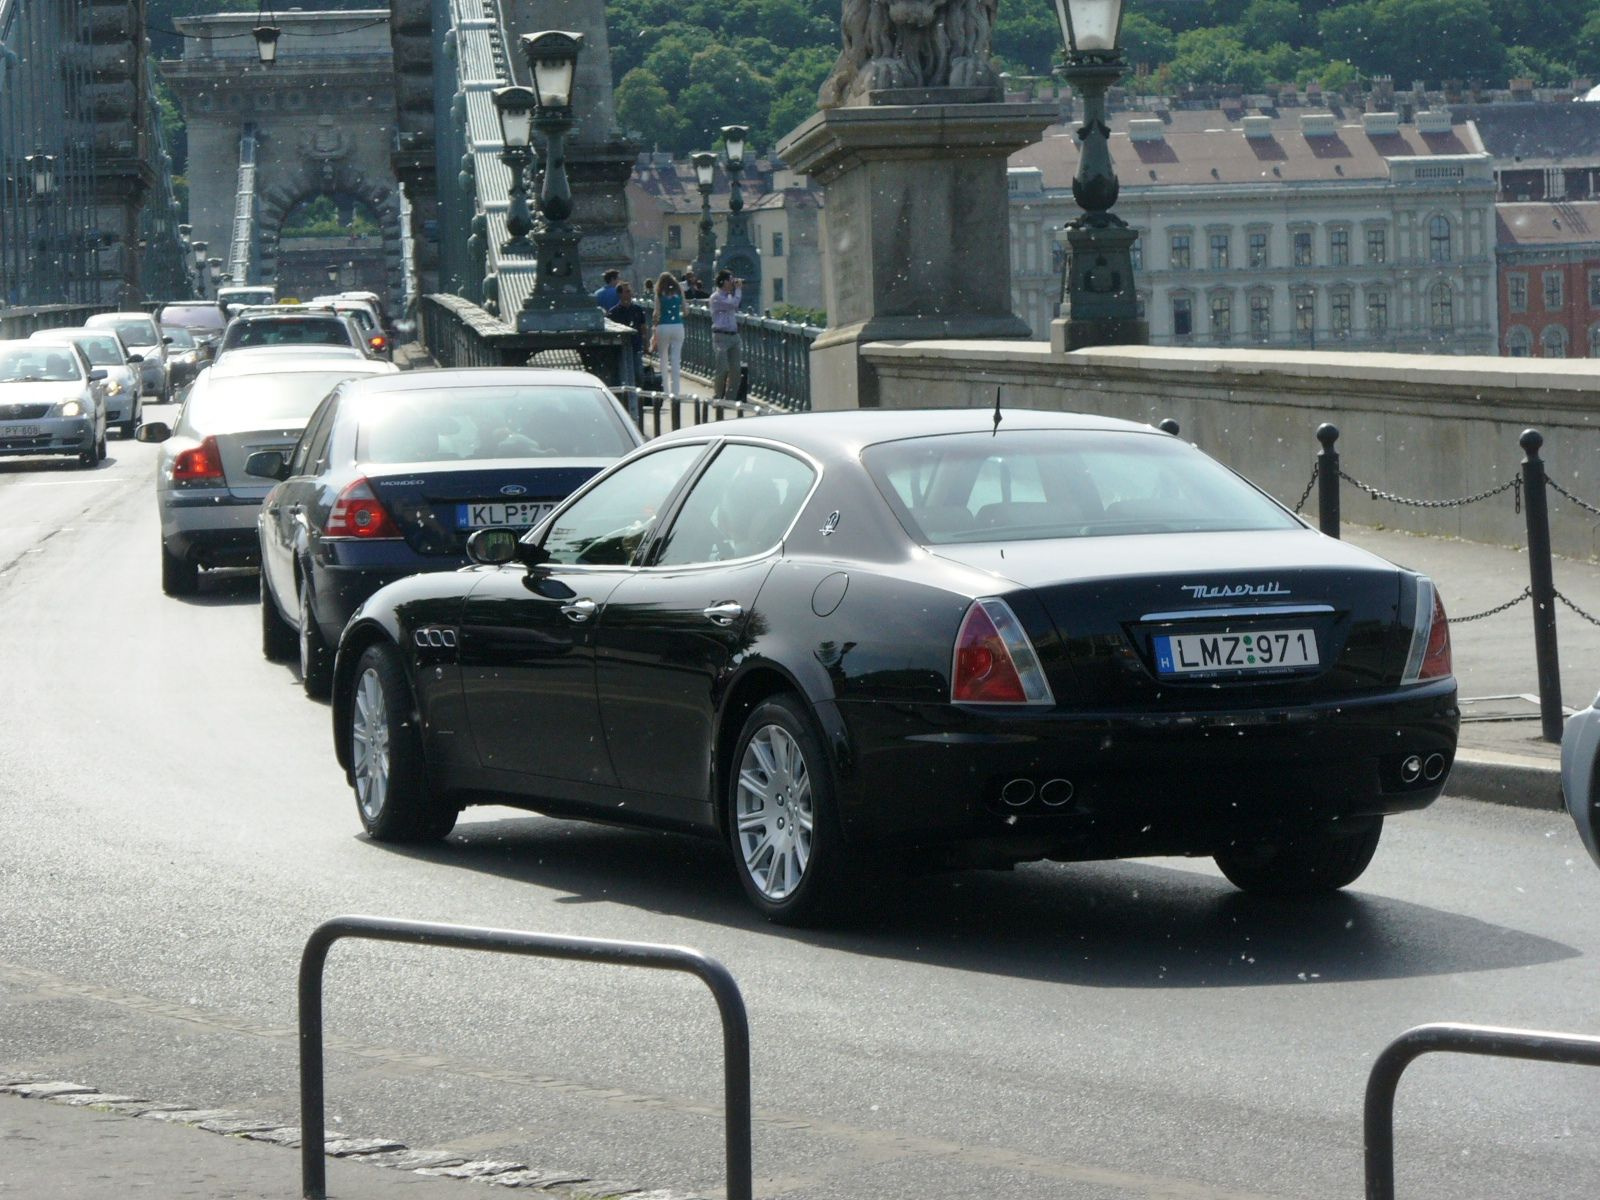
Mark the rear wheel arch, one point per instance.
(351, 647)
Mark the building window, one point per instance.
(674, 237)
(1594, 289)
(1553, 341)
(1137, 251)
(1222, 317)
(1182, 317)
(1377, 313)
(1517, 293)
(1441, 308)
(1554, 291)
(1258, 249)
(1519, 343)
(1302, 248)
(1305, 314)
(1594, 341)
(1339, 247)
(1339, 312)
(777, 245)
(1261, 316)
(1178, 258)
(1377, 246)
(777, 289)
(1219, 252)
(1439, 239)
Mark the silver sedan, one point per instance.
(207, 503)
(51, 401)
(124, 401)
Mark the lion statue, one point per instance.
(910, 44)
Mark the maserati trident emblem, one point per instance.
(832, 526)
(513, 489)
(1228, 591)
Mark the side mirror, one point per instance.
(492, 547)
(166, 341)
(153, 431)
(97, 374)
(135, 358)
(267, 464)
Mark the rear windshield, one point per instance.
(255, 401)
(1033, 484)
(38, 364)
(291, 332)
(537, 421)
(193, 316)
(181, 338)
(134, 332)
(102, 349)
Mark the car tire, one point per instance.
(387, 769)
(126, 429)
(788, 851)
(100, 449)
(316, 660)
(278, 638)
(179, 576)
(1301, 863)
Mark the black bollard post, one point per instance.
(1541, 582)
(1328, 480)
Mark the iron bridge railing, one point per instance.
(776, 355)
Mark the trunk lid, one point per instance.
(1206, 621)
(236, 446)
(437, 505)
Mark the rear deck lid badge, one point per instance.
(1228, 591)
(513, 489)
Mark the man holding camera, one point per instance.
(725, 335)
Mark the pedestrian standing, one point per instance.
(693, 289)
(725, 335)
(637, 318)
(606, 295)
(667, 341)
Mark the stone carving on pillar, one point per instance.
(902, 45)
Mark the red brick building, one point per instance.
(1548, 257)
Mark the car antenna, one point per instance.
(996, 411)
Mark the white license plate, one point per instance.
(1186, 653)
(514, 513)
(19, 431)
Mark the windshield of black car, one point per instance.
(192, 316)
(39, 364)
(528, 421)
(294, 331)
(1031, 484)
(257, 401)
(136, 333)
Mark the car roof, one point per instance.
(119, 316)
(849, 431)
(469, 377)
(76, 331)
(296, 312)
(286, 360)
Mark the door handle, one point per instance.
(580, 610)
(725, 613)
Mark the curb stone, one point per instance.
(380, 1152)
(1516, 780)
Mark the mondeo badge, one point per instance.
(513, 489)
(1202, 591)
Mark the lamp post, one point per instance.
(705, 176)
(1103, 306)
(558, 301)
(332, 273)
(740, 255)
(267, 43)
(42, 167)
(213, 269)
(515, 107)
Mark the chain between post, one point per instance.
(1587, 616)
(1583, 504)
(1310, 483)
(1525, 594)
(1513, 484)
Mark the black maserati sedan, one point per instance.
(839, 640)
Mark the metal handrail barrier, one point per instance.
(1384, 1079)
(638, 401)
(716, 977)
(776, 355)
(21, 321)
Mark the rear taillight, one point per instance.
(994, 661)
(1430, 637)
(378, 342)
(202, 464)
(358, 513)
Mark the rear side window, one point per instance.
(1034, 484)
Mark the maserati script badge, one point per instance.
(1202, 591)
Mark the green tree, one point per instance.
(1416, 39)
(1525, 62)
(669, 60)
(1147, 42)
(1027, 36)
(1216, 55)
(1269, 23)
(644, 108)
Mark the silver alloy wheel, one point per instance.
(303, 631)
(369, 745)
(774, 812)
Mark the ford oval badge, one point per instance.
(513, 489)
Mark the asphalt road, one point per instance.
(174, 825)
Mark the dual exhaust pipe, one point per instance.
(1414, 767)
(1021, 792)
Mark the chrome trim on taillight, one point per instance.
(1421, 630)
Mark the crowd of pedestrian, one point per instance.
(658, 324)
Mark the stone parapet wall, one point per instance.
(1420, 426)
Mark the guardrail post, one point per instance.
(1542, 584)
(1328, 480)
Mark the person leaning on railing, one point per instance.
(725, 345)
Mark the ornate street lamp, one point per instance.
(1103, 305)
(213, 266)
(740, 255)
(705, 176)
(332, 272)
(267, 42)
(199, 249)
(515, 107)
(558, 301)
(43, 169)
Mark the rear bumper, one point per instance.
(210, 526)
(215, 547)
(1136, 784)
(345, 574)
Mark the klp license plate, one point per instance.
(18, 431)
(1183, 653)
(518, 512)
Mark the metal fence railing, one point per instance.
(20, 322)
(776, 356)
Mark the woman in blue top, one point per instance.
(667, 340)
